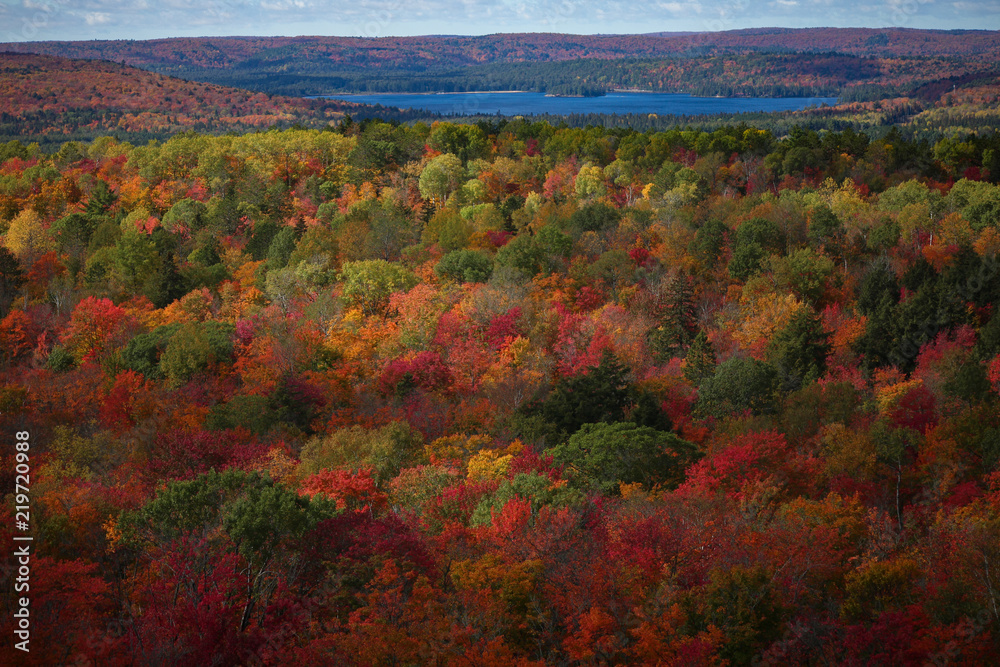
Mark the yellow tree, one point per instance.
(762, 313)
(27, 237)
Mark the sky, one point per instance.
(29, 20)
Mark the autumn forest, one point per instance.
(504, 391)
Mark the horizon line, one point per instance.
(655, 33)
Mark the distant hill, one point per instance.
(444, 51)
(755, 62)
(55, 99)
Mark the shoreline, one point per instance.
(464, 92)
(613, 90)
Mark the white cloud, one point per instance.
(678, 7)
(975, 6)
(283, 5)
(97, 18)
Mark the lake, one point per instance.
(525, 104)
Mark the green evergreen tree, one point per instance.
(73, 232)
(800, 350)
(600, 395)
(648, 411)
(100, 202)
(678, 324)
(171, 285)
(12, 278)
(933, 309)
(988, 342)
(825, 229)
(700, 361)
(879, 282)
(260, 242)
(920, 273)
(709, 241)
(136, 262)
(281, 248)
(877, 344)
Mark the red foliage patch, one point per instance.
(356, 491)
(426, 370)
(184, 455)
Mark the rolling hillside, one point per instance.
(864, 63)
(229, 52)
(57, 99)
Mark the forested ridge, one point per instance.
(731, 75)
(51, 100)
(226, 52)
(506, 393)
(855, 63)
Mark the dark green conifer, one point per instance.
(700, 361)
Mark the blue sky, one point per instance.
(25, 20)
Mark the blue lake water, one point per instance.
(525, 104)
